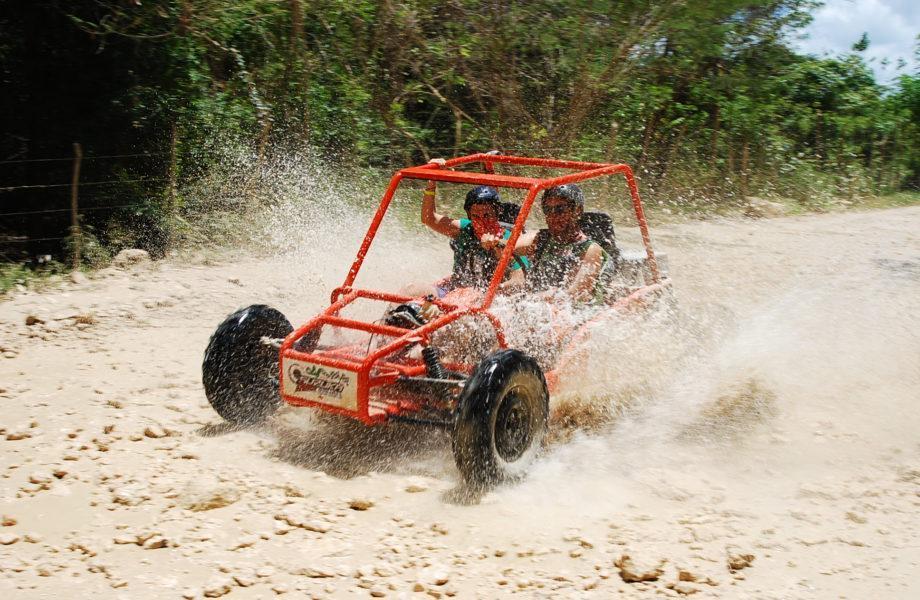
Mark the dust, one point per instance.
(735, 412)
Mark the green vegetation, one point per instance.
(707, 101)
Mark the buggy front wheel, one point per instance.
(501, 419)
(240, 370)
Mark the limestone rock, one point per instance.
(40, 478)
(633, 571)
(759, 208)
(207, 494)
(360, 504)
(217, 588)
(130, 257)
(737, 559)
(131, 494)
(244, 579)
(156, 542)
(155, 431)
(685, 575)
(683, 588)
(314, 572)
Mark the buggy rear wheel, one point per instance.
(501, 419)
(240, 371)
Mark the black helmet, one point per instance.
(481, 194)
(569, 191)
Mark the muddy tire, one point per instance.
(501, 419)
(240, 372)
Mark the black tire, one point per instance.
(501, 419)
(240, 372)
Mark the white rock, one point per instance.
(632, 571)
(314, 572)
(760, 208)
(129, 495)
(207, 493)
(683, 588)
(360, 504)
(40, 477)
(738, 559)
(155, 431)
(156, 542)
(130, 257)
(217, 587)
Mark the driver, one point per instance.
(474, 264)
(565, 259)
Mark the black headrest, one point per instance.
(599, 227)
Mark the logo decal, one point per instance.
(317, 383)
(313, 378)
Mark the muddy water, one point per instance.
(773, 413)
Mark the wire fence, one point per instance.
(70, 158)
(82, 184)
(17, 236)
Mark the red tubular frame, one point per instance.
(386, 372)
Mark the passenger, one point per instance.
(474, 264)
(564, 258)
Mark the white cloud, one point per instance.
(892, 26)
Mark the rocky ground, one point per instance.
(782, 461)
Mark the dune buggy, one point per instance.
(496, 408)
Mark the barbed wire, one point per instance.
(70, 158)
(55, 210)
(44, 239)
(81, 184)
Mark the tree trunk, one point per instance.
(714, 141)
(650, 128)
(672, 149)
(185, 17)
(745, 167)
(458, 129)
(173, 168)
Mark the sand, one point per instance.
(762, 444)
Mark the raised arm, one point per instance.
(526, 244)
(431, 217)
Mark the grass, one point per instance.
(888, 201)
(12, 275)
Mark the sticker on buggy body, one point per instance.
(326, 385)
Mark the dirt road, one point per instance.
(778, 458)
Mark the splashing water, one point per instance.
(791, 338)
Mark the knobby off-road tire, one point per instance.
(240, 372)
(501, 419)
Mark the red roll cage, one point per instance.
(373, 371)
(533, 185)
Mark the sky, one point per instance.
(892, 25)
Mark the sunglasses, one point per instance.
(556, 209)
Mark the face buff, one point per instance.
(483, 226)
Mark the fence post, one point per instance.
(74, 217)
